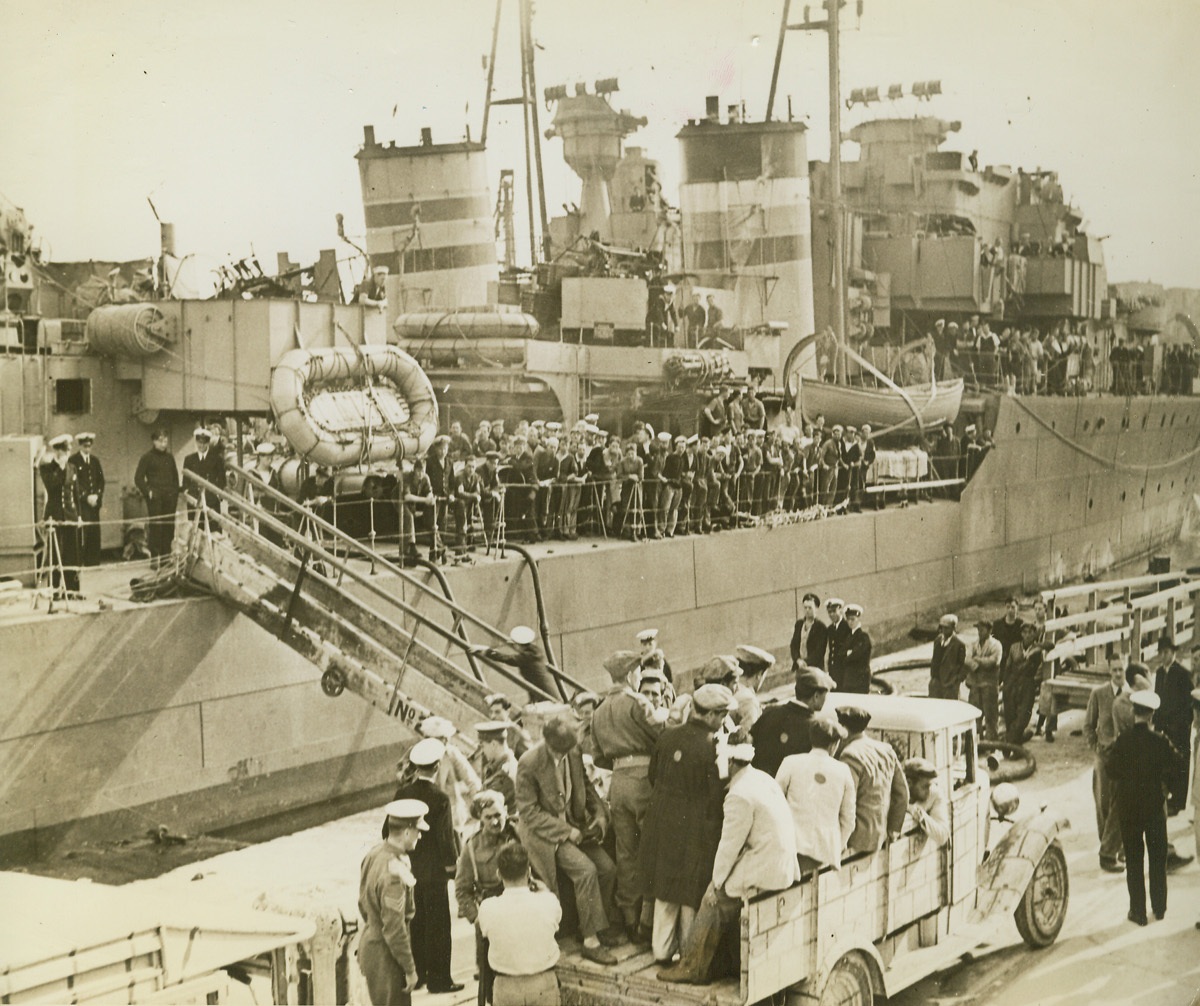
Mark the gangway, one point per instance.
(327, 601)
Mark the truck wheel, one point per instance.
(849, 983)
(1043, 907)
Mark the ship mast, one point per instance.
(529, 115)
(830, 26)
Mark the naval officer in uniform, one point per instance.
(385, 902)
(89, 488)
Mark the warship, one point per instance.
(218, 702)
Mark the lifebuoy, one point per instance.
(335, 409)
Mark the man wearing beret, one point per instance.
(385, 902)
(682, 826)
(782, 730)
(625, 731)
(1142, 763)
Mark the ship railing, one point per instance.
(312, 556)
(1120, 620)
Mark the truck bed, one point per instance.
(632, 982)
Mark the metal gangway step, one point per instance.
(369, 626)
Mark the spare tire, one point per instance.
(1017, 763)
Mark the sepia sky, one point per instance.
(241, 120)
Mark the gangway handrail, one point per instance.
(264, 516)
(392, 568)
(1106, 586)
(458, 620)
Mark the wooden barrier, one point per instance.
(1122, 620)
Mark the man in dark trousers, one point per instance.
(682, 827)
(527, 657)
(856, 659)
(947, 667)
(782, 730)
(809, 636)
(89, 483)
(1173, 685)
(206, 462)
(62, 509)
(433, 863)
(837, 638)
(157, 479)
(1142, 763)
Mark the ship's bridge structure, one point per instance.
(926, 222)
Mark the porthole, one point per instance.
(1099, 424)
(1144, 418)
(1089, 504)
(1018, 427)
(1086, 424)
(1122, 495)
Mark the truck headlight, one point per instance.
(1005, 800)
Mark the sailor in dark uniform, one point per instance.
(89, 489)
(62, 510)
(1142, 763)
(206, 462)
(838, 638)
(856, 657)
(433, 863)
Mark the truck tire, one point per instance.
(849, 983)
(1043, 908)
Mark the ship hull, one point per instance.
(183, 714)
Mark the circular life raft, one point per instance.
(350, 405)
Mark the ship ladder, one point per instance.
(398, 645)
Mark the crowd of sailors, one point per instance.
(1021, 359)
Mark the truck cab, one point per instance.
(883, 920)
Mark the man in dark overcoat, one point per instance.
(1142, 763)
(855, 663)
(1173, 685)
(433, 863)
(682, 826)
(837, 637)
(809, 635)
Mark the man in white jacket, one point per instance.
(820, 793)
(757, 853)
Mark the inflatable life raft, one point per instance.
(353, 405)
(465, 325)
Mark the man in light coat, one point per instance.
(820, 794)
(1100, 729)
(881, 790)
(756, 854)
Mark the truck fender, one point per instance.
(1005, 874)
(809, 990)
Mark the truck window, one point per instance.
(962, 758)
